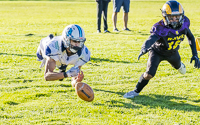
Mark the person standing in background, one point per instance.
(102, 6)
(116, 8)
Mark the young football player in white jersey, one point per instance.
(64, 50)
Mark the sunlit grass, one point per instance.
(26, 98)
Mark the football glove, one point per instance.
(73, 72)
(196, 61)
(142, 52)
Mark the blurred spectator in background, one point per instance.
(116, 8)
(102, 6)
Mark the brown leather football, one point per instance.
(84, 91)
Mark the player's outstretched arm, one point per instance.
(142, 52)
(146, 47)
(49, 75)
(192, 43)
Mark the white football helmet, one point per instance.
(76, 33)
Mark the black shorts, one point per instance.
(155, 59)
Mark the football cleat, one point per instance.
(131, 94)
(182, 69)
(51, 36)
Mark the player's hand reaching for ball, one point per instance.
(77, 79)
(80, 77)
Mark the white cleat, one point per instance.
(131, 94)
(182, 69)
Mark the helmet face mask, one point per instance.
(74, 48)
(173, 14)
(73, 33)
(174, 23)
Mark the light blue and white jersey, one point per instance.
(54, 49)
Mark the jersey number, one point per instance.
(173, 44)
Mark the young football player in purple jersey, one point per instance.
(64, 50)
(163, 44)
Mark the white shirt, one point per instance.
(54, 49)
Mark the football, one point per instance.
(84, 91)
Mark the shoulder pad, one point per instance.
(84, 51)
(186, 23)
(53, 47)
(159, 29)
(84, 56)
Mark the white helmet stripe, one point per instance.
(80, 31)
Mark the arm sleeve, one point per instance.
(150, 41)
(191, 41)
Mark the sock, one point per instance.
(141, 84)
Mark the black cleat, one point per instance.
(51, 36)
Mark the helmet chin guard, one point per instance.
(74, 49)
(173, 8)
(76, 33)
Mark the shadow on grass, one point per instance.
(197, 101)
(18, 54)
(131, 33)
(96, 60)
(169, 102)
(115, 102)
(11, 103)
(155, 101)
(54, 85)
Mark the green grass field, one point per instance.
(26, 98)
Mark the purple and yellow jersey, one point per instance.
(165, 40)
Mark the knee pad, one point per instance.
(147, 76)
